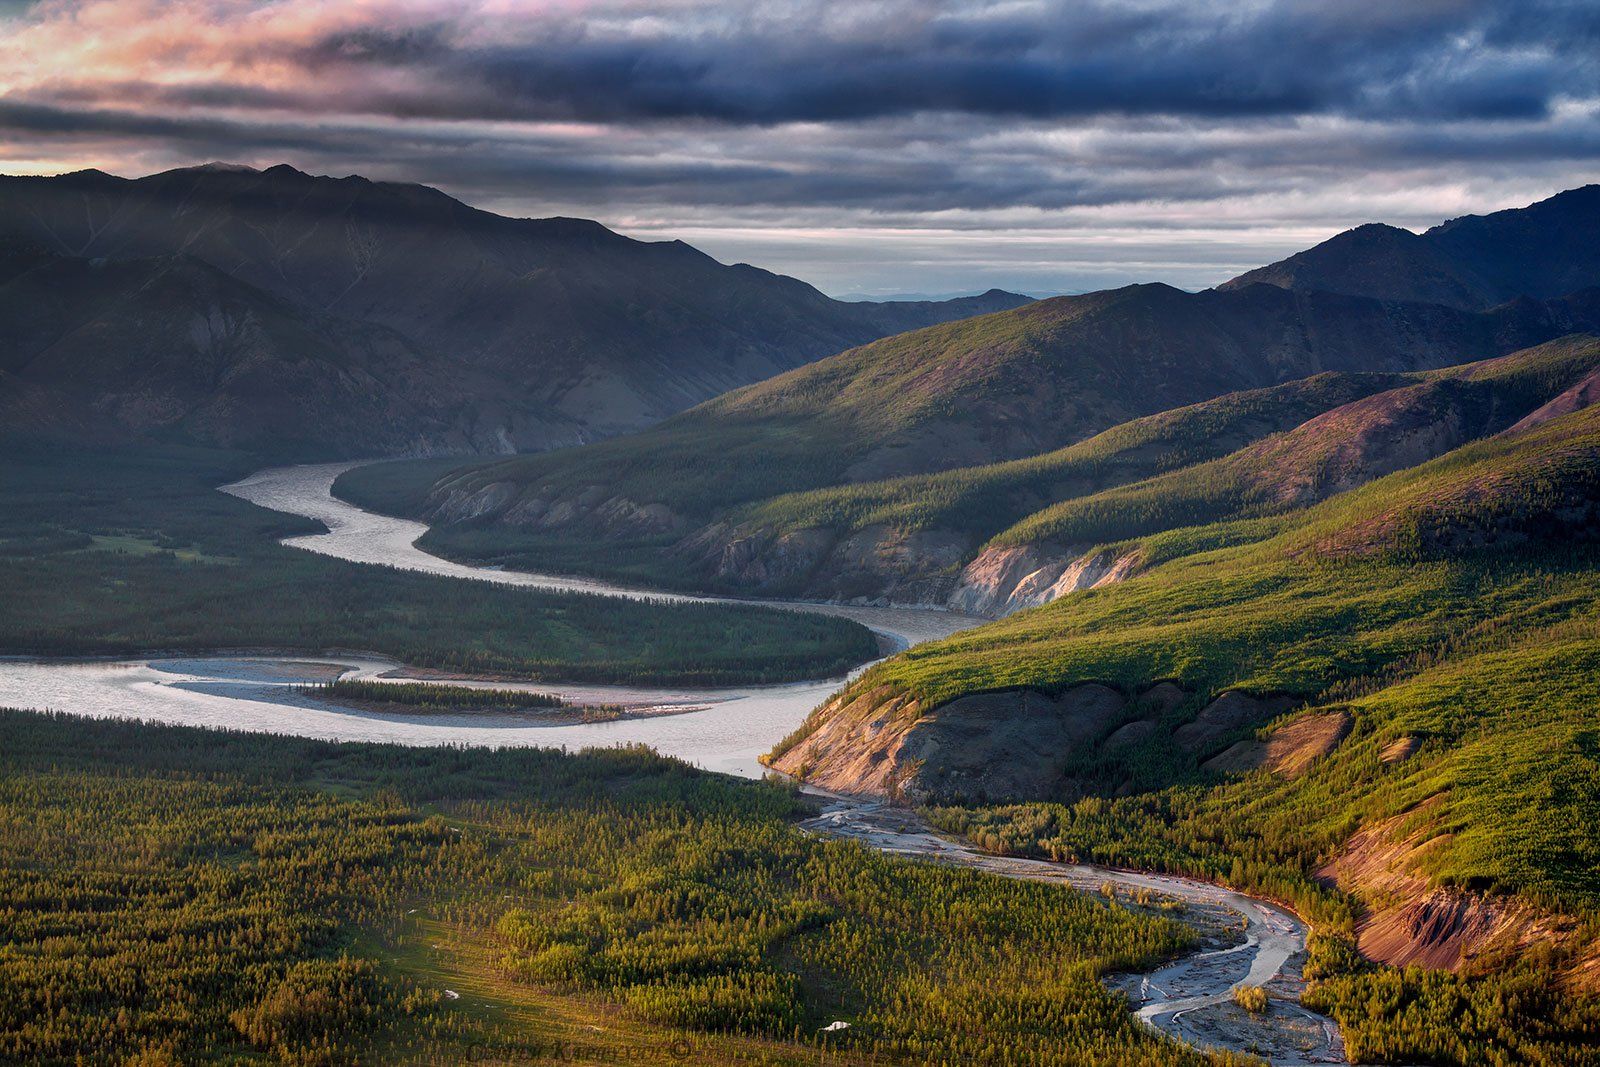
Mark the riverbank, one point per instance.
(726, 731)
(1246, 941)
(1189, 998)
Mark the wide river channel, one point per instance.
(723, 729)
(718, 729)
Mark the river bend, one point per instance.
(1249, 940)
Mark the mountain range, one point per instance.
(1474, 262)
(1289, 583)
(1292, 581)
(924, 467)
(276, 309)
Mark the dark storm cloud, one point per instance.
(995, 117)
(802, 62)
(1446, 60)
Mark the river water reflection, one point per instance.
(719, 729)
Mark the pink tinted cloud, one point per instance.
(84, 43)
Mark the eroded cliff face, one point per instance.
(1407, 920)
(1002, 580)
(878, 564)
(998, 746)
(883, 565)
(509, 504)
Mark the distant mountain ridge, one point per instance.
(538, 331)
(1544, 250)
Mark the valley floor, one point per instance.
(1189, 998)
(1216, 914)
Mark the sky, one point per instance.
(872, 148)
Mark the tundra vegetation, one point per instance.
(1448, 613)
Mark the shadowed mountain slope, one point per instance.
(582, 332)
(1544, 250)
(172, 349)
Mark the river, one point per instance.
(1248, 940)
(722, 729)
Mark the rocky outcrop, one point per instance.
(997, 746)
(987, 746)
(882, 564)
(878, 564)
(1225, 716)
(759, 560)
(1002, 580)
(851, 744)
(1400, 749)
(509, 504)
(461, 506)
(1005, 746)
(1288, 751)
(1407, 920)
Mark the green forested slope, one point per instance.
(1430, 796)
(169, 895)
(1431, 413)
(1442, 624)
(1330, 593)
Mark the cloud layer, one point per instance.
(929, 145)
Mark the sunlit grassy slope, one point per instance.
(1490, 531)
(1449, 611)
(1245, 455)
